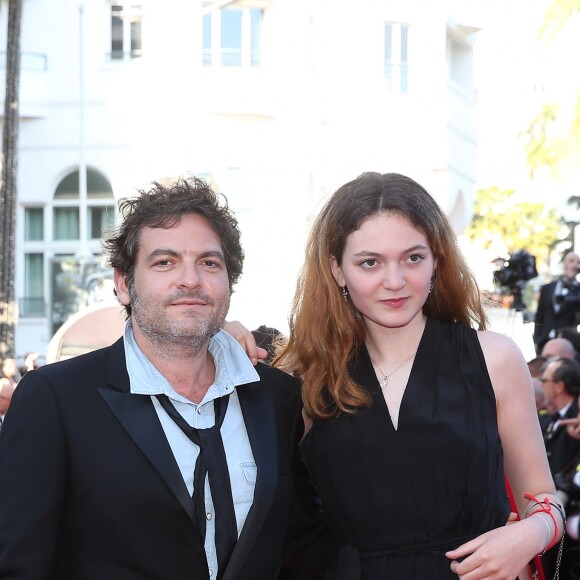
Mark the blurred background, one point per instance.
(277, 103)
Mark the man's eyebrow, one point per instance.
(174, 254)
(212, 254)
(162, 252)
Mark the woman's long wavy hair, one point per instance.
(326, 331)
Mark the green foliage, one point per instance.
(542, 147)
(557, 15)
(548, 144)
(498, 215)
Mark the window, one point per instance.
(65, 223)
(100, 219)
(63, 236)
(97, 186)
(100, 210)
(126, 31)
(33, 303)
(397, 57)
(33, 224)
(232, 37)
(206, 39)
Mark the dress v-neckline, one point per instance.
(377, 392)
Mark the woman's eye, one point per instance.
(414, 258)
(369, 263)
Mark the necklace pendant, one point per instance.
(384, 382)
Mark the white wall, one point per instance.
(279, 139)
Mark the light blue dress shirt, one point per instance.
(233, 369)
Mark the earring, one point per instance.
(344, 293)
(430, 287)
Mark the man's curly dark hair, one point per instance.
(163, 206)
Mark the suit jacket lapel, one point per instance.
(572, 411)
(551, 433)
(259, 417)
(137, 415)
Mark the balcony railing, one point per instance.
(117, 55)
(235, 57)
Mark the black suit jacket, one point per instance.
(561, 448)
(90, 490)
(547, 319)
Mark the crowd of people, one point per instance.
(384, 440)
(10, 374)
(555, 374)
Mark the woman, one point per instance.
(412, 416)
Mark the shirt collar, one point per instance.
(562, 412)
(233, 368)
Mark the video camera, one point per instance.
(520, 268)
(514, 274)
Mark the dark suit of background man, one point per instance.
(558, 303)
(561, 383)
(97, 463)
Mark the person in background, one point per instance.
(559, 303)
(567, 483)
(561, 384)
(571, 333)
(167, 454)
(266, 338)
(412, 415)
(558, 348)
(9, 370)
(6, 391)
(541, 405)
(536, 365)
(30, 363)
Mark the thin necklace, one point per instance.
(384, 382)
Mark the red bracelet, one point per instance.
(545, 508)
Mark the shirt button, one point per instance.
(208, 516)
(211, 573)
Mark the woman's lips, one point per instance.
(395, 302)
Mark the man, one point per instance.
(561, 383)
(9, 370)
(558, 348)
(266, 337)
(6, 392)
(558, 303)
(101, 454)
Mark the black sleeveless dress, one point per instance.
(396, 500)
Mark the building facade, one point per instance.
(275, 102)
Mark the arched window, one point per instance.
(52, 232)
(100, 207)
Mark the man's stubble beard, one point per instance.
(176, 338)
